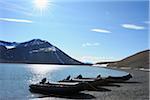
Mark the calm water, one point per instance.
(16, 78)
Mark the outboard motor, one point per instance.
(79, 77)
(43, 81)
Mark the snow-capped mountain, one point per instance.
(35, 51)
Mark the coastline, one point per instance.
(44, 63)
(122, 68)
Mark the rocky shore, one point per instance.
(136, 88)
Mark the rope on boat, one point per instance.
(91, 86)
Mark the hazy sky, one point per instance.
(88, 30)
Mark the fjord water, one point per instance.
(16, 78)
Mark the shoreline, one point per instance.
(44, 63)
(122, 68)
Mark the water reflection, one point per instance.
(43, 69)
(40, 71)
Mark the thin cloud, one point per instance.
(95, 59)
(11, 6)
(16, 20)
(147, 22)
(101, 30)
(132, 26)
(90, 44)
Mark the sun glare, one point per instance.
(41, 4)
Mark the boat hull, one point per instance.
(56, 89)
(101, 81)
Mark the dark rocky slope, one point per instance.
(138, 60)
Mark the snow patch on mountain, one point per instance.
(10, 47)
(49, 49)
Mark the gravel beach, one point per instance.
(136, 88)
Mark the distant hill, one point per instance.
(4, 43)
(138, 60)
(33, 51)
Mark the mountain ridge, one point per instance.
(35, 51)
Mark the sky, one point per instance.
(87, 30)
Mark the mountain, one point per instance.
(138, 60)
(34, 51)
(4, 43)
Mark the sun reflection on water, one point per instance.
(41, 71)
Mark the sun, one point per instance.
(41, 4)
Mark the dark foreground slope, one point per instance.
(138, 60)
(34, 51)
